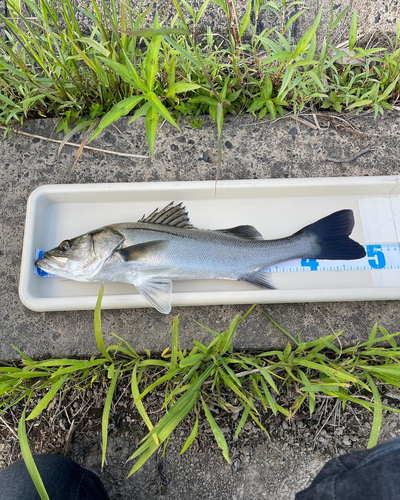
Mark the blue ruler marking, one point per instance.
(379, 257)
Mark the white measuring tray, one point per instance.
(276, 207)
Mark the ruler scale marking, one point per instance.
(379, 257)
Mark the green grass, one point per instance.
(129, 65)
(207, 376)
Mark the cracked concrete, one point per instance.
(251, 150)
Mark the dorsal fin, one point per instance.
(244, 232)
(171, 215)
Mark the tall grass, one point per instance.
(130, 65)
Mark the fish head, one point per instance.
(80, 258)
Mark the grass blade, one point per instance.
(180, 87)
(151, 128)
(28, 459)
(353, 31)
(174, 350)
(245, 19)
(229, 383)
(152, 32)
(377, 420)
(339, 18)
(139, 404)
(220, 121)
(133, 352)
(183, 52)
(192, 436)
(176, 413)
(243, 420)
(164, 428)
(188, 8)
(268, 395)
(280, 327)
(106, 415)
(219, 436)
(55, 387)
(160, 108)
(123, 71)
(81, 126)
(85, 138)
(120, 109)
(308, 35)
(337, 373)
(140, 112)
(97, 325)
(259, 423)
(151, 61)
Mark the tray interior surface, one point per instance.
(275, 210)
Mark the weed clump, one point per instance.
(129, 66)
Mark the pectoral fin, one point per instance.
(158, 291)
(142, 250)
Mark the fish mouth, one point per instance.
(60, 261)
(51, 262)
(39, 264)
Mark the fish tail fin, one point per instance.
(332, 236)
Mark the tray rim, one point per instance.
(198, 298)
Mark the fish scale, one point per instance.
(219, 255)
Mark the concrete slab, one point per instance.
(251, 150)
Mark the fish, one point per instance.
(165, 247)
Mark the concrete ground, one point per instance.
(251, 150)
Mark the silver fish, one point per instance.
(165, 246)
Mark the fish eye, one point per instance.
(65, 245)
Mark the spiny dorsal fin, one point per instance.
(244, 232)
(171, 215)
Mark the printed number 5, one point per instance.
(378, 259)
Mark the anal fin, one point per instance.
(259, 278)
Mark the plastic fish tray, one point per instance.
(276, 207)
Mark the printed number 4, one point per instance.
(377, 260)
(311, 263)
